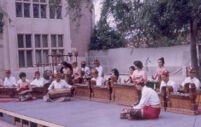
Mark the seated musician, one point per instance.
(167, 82)
(85, 69)
(77, 74)
(99, 68)
(148, 107)
(24, 88)
(96, 79)
(138, 74)
(48, 76)
(67, 71)
(131, 70)
(159, 70)
(9, 80)
(191, 79)
(59, 90)
(38, 81)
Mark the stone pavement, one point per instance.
(80, 113)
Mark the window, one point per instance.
(18, 9)
(36, 11)
(23, 8)
(53, 41)
(26, 10)
(25, 50)
(55, 9)
(35, 51)
(39, 8)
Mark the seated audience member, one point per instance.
(9, 80)
(167, 82)
(99, 68)
(96, 79)
(24, 88)
(191, 79)
(48, 76)
(58, 90)
(138, 74)
(67, 71)
(148, 107)
(131, 70)
(77, 74)
(159, 70)
(85, 69)
(114, 78)
(38, 81)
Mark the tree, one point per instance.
(154, 21)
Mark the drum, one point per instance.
(56, 93)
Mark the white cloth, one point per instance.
(86, 71)
(20, 81)
(149, 98)
(99, 81)
(194, 80)
(10, 81)
(59, 85)
(38, 82)
(100, 71)
(169, 83)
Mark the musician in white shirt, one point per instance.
(191, 79)
(148, 107)
(167, 82)
(38, 81)
(99, 68)
(85, 69)
(58, 90)
(99, 81)
(9, 80)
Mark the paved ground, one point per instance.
(5, 124)
(79, 113)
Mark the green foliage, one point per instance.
(153, 22)
(106, 38)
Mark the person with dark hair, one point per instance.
(159, 70)
(148, 107)
(24, 88)
(138, 74)
(67, 71)
(131, 70)
(85, 69)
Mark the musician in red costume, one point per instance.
(24, 88)
(139, 74)
(147, 108)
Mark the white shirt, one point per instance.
(194, 80)
(169, 83)
(149, 98)
(99, 81)
(86, 71)
(100, 71)
(10, 81)
(59, 85)
(38, 82)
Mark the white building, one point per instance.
(36, 28)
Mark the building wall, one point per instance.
(177, 58)
(21, 25)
